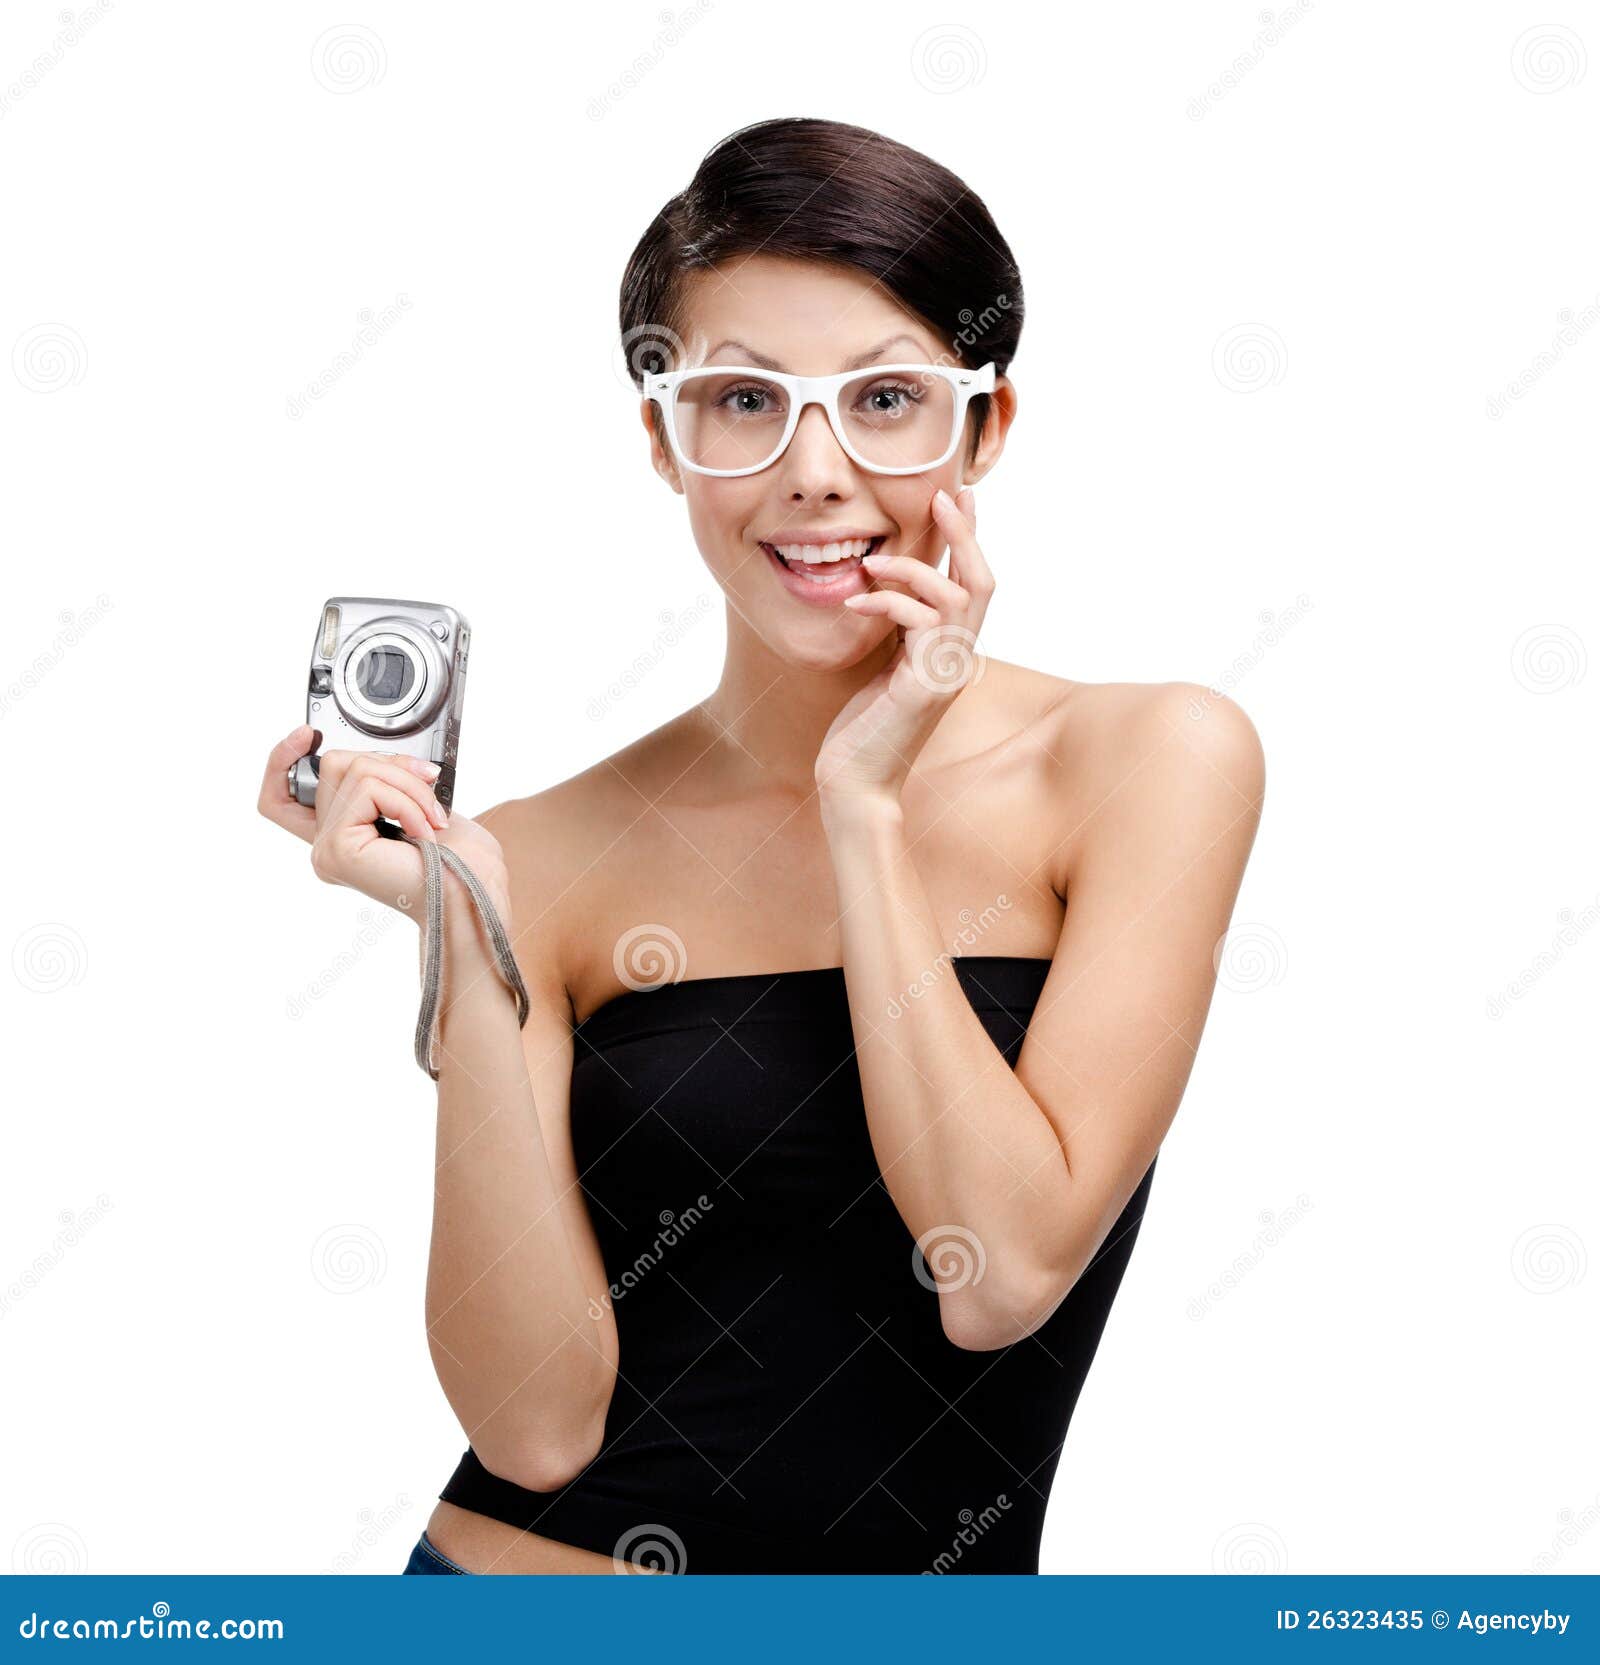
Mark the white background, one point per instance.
(1255, 450)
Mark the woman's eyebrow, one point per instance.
(765, 363)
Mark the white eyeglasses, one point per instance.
(727, 419)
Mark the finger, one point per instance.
(372, 795)
(959, 525)
(929, 583)
(346, 804)
(335, 764)
(398, 772)
(903, 609)
(276, 802)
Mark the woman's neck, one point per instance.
(768, 718)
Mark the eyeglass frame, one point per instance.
(662, 388)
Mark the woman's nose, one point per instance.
(814, 456)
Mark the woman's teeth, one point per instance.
(799, 556)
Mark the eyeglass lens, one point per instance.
(895, 419)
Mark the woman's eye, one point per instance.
(744, 401)
(890, 400)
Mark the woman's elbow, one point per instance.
(540, 1462)
(983, 1319)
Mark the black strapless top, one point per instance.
(786, 1399)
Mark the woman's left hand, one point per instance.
(870, 746)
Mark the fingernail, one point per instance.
(873, 560)
(942, 496)
(432, 770)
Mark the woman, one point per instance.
(782, 1237)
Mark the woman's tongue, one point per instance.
(820, 572)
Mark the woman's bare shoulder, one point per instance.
(1132, 719)
(1137, 755)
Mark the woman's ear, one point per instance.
(1002, 412)
(661, 458)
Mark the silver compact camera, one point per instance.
(386, 676)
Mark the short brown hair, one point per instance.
(803, 188)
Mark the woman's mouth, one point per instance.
(823, 574)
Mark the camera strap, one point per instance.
(433, 854)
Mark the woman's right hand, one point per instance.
(353, 790)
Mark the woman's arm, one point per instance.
(1038, 1164)
(519, 1326)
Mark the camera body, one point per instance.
(386, 676)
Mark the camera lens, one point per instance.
(384, 675)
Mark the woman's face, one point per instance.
(812, 319)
